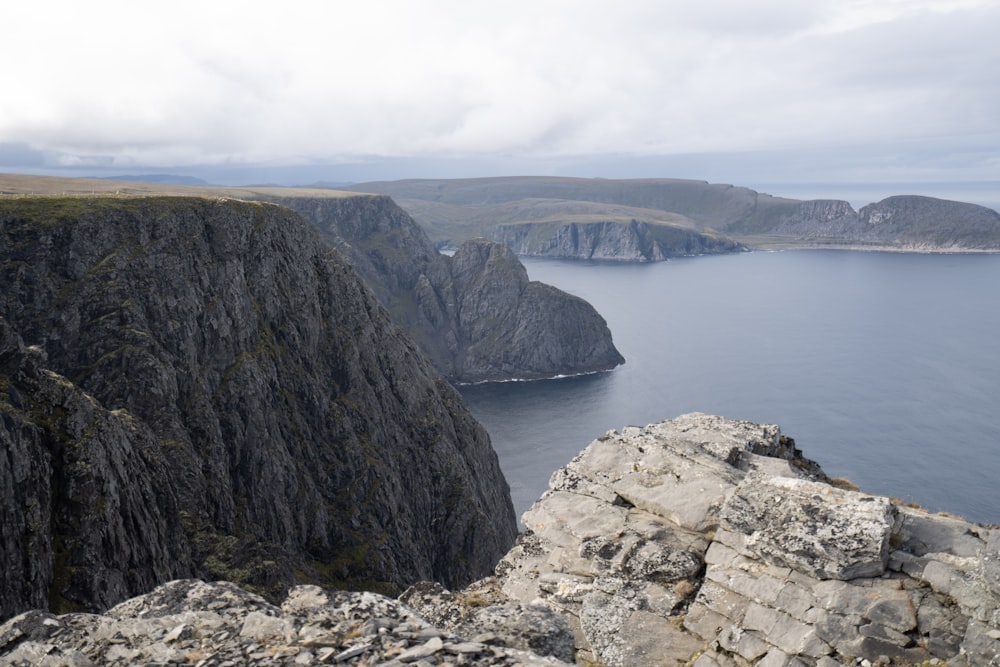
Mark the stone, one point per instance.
(432, 646)
(263, 627)
(812, 527)
(897, 613)
(474, 313)
(240, 633)
(790, 570)
(484, 613)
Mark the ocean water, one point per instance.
(884, 367)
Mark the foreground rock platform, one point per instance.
(190, 622)
(712, 542)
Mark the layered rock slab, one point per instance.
(710, 541)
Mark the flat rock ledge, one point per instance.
(712, 542)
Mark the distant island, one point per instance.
(654, 219)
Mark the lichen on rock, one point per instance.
(710, 541)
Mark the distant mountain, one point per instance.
(452, 210)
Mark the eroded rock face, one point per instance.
(634, 241)
(475, 313)
(209, 390)
(811, 527)
(193, 622)
(708, 541)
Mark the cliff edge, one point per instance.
(475, 313)
(203, 387)
(712, 542)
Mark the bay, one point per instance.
(884, 367)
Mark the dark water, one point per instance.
(884, 367)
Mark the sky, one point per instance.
(770, 91)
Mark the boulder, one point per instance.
(811, 527)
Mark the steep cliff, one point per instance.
(634, 241)
(216, 394)
(742, 214)
(926, 222)
(476, 313)
(512, 327)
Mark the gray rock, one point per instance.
(243, 629)
(712, 542)
(610, 240)
(483, 611)
(476, 314)
(220, 397)
(812, 527)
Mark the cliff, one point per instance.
(712, 542)
(409, 277)
(699, 541)
(209, 390)
(926, 222)
(633, 241)
(904, 222)
(476, 314)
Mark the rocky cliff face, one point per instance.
(210, 391)
(635, 241)
(929, 223)
(476, 313)
(711, 542)
(904, 222)
(512, 327)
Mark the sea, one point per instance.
(884, 367)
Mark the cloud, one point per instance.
(191, 83)
(20, 154)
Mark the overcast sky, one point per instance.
(758, 90)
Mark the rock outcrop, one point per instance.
(904, 222)
(635, 241)
(203, 388)
(711, 542)
(191, 622)
(476, 314)
(929, 223)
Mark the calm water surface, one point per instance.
(884, 367)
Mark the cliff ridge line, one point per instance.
(204, 388)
